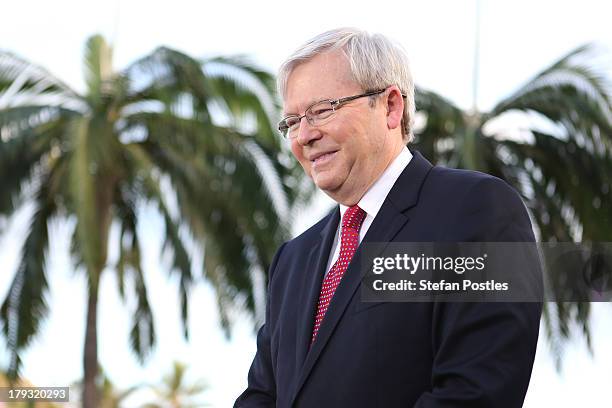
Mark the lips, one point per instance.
(322, 158)
(321, 155)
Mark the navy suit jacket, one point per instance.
(387, 354)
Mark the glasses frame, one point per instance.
(335, 104)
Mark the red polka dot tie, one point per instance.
(349, 241)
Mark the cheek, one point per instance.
(297, 151)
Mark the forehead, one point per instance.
(325, 76)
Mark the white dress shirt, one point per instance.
(372, 200)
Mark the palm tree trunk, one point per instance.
(91, 397)
(469, 159)
(90, 354)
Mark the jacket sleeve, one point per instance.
(484, 352)
(261, 388)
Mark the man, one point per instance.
(348, 112)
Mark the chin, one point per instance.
(326, 183)
(321, 182)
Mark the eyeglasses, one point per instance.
(317, 112)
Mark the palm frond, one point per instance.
(25, 306)
(20, 79)
(181, 262)
(583, 183)
(129, 245)
(213, 152)
(245, 89)
(32, 135)
(213, 210)
(169, 76)
(570, 94)
(142, 333)
(443, 122)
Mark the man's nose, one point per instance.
(307, 133)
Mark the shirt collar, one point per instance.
(373, 199)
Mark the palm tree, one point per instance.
(109, 395)
(193, 138)
(560, 161)
(175, 392)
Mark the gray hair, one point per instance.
(376, 63)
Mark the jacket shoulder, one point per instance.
(460, 182)
(462, 176)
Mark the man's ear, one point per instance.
(394, 106)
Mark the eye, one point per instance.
(321, 110)
(292, 122)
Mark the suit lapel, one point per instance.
(389, 221)
(319, 255)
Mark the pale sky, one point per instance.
(518, 39)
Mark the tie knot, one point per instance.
(353, 217)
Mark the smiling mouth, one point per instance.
(323, 159)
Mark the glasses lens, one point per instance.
(320, 111)
(282, 127)
(288, 125)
